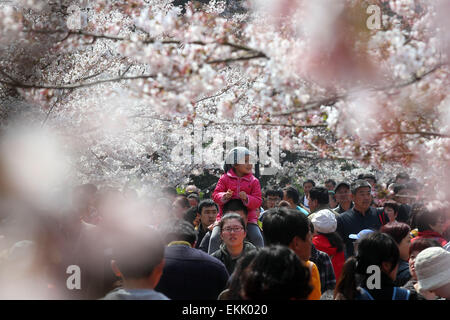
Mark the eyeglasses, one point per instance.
(235, 229)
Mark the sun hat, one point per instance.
(432, 267)
(324, 221)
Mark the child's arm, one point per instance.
(219, 192)
(254, 199)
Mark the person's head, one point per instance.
(308, 185)
(430, 220)
(415, 248)
(433, 271)
(273, 197)
(391, 209)
(401, 193)
(412, 189)
(233, 230)
(291, 195)
(193, 199)
(275, 273)
(208, 210)
(191, 189)
(109, 205)
(377, 249)
(139, 257)
(342, 193)
(239, 159)
(401, 178)
(180, 206)
(192, 216)
(400, 232)
(290, 228)
(84, 196)
(236, 206)
(330, 184)
(284, 203)
(235, 285)
(361, 195)
(178, 230)
(169, 193)
(318, 196)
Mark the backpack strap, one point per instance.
(365, 295)
(400, 294)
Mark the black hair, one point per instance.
(309, 181)
(402, 175)
(392, 204)
(320, 194)
(292, 193)
(178, 230)
(193, 195)
(332, 182)
(374, 249)
(170, 190)
(234, 286)
(422, 244)
(282, 224)
(230, 216)
(398, 188)
(137, 254)
(274, 192)
(206, 203)
(276, 273)
(424, 219)
(191, 214)
(182, 199)
(234, 205)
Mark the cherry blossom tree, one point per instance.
(135, 87)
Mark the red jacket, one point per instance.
(247, 183)
(429, 234)
(337, 258)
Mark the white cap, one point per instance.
(324, 221)
(432, 268)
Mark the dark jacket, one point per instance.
(352, 222)
(339, 209)
(191, 274)
(386, 291)
(403, 274)
(204, 244)
(410, 286)
(201, 232)
(230, 263)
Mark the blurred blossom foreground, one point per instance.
(104, 104)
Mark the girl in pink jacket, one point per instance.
(238, 182)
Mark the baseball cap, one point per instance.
(360, 184)
(363, 233)
(340, 184)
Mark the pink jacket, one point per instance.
(247, 183)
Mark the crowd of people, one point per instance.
(351, 240)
